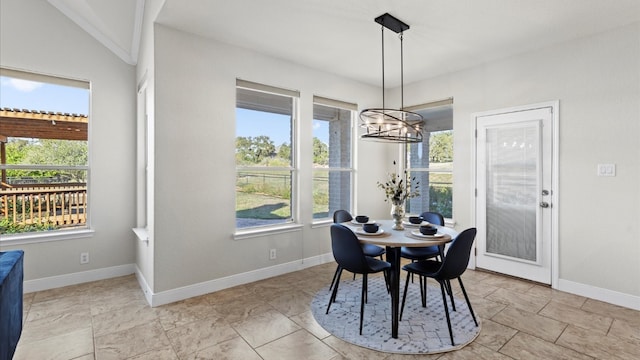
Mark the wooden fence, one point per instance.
(61, 205)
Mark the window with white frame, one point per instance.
(431, 161)
(43, 153)
(265, 150)
(143, 198)
(332, 156)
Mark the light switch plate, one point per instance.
(606, 169)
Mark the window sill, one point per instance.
(142, 234)
(45, 236)
(258, 232)
(321, 223)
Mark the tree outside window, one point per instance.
(264, 170)
(431, 162)
(332, 162)
(43, 152)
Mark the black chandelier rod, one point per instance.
(401, 73)
(382, 32)
(396, 25)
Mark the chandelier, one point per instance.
(386, 124)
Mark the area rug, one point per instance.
(421, 331)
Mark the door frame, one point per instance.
(555, 116)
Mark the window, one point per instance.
(143, 172)
(43, 153)
(332, 149)
(431, 161)
(265, 148)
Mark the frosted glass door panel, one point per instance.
(512, 176)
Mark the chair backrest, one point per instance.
(457, 257)
(433, 218)
(341, 216)
(347, 249)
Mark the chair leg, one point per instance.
(335, 275)
(412, 260)
(335, 291)
(447, 285)
(386, 281)
(446, 310)
(468, 302)
(365, 282)
(363, 299)
(404, 296)
(423, 290)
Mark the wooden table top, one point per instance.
(399, 238)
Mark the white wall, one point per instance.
(36, 37)
(597, 81)
(194, 166)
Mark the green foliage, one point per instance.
(9, 227)
(284, 151)
(256, 206)
(441, 147)
(320, 194)
(58, 152)
(243, 150)
(265, 183)
(262, 195)
(251, 150)
(48, 152)
(441, 200)
(320, 152)
(16, 150)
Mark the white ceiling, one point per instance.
(341, 37)
(117, 24)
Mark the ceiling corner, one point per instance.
(103, 29)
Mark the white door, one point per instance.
(514, 192)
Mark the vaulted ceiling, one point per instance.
(341, 37)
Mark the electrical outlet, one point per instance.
(606, 169)
(272, 254)
(84, 258)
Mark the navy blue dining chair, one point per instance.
(340, 216)
(452, 267)
(349, 256)
(425, 252)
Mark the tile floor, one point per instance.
(271, 319)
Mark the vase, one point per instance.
(397, 214)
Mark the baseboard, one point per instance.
(53, 282)
(144, 285)
(596, 293)
(173, 295)
(185, 292)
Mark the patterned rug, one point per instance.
(421, 331)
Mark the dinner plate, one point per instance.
(408, 223)
(362, 232)
(354, 222)
(419, 234)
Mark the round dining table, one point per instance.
(393, 241)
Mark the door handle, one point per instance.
(544, 204)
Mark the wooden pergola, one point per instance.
(41, 125)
